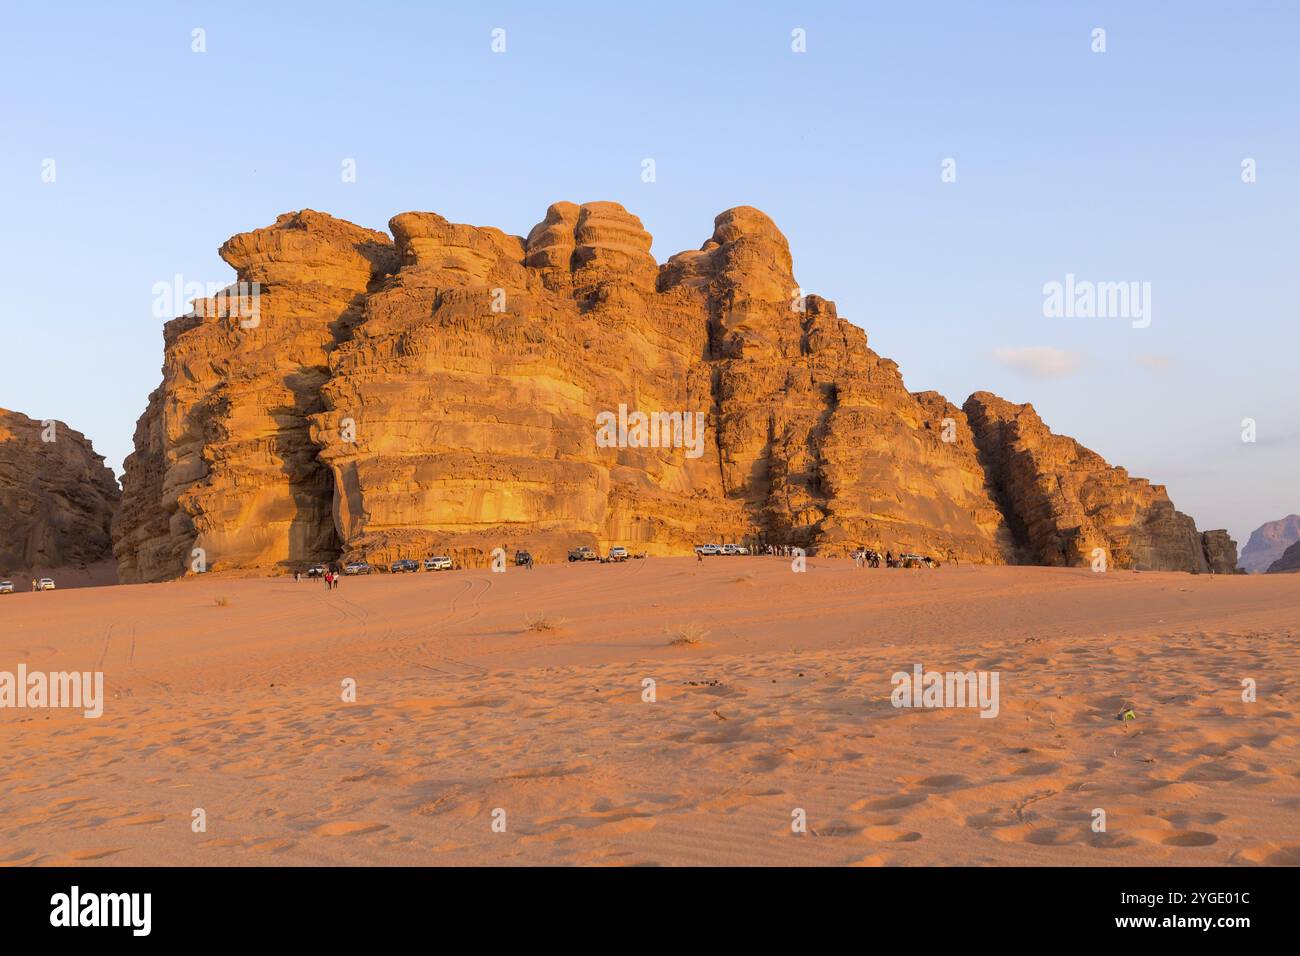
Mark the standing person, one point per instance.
(952, 556)
(33, 585)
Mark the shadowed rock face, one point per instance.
(1063, 501)
(1268, 541)
(1220, 551)
(441, 392)
(56, 497)
(1289, 561)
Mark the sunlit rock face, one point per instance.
(455, 389)
(1066, 506)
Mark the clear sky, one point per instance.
(1117, 166)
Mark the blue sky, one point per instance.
(1115, 166)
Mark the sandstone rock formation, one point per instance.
(1288, 562)
(57, 497)
(441, 393)
(1220, 551)
(1064, 502)
(1268, 541)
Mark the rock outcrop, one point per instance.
(456, 389)
(1267, 542)
(57, 497)
(1066, 506)
(1220, 551)
(1289, 561)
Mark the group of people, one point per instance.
(330, 577)
(865, 557)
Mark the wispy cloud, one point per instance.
(1156, 363)
(1040, 361)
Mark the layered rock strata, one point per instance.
(457, 389)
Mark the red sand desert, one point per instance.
(225, 695)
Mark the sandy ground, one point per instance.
(225, 695)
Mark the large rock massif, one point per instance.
(451, 390)
(57, 497)
(1268, 542)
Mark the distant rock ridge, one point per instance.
(1289, 562)
(438, 393)
(57, 497)
(1268, 541)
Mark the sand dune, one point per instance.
(225, 695)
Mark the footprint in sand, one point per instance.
(348, 828)
(97, 854)
(10, 857)
(1190, 838)
(1269, 854)
(276, 846)
(136, 820)
(881, 834)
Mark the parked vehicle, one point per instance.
(618, 554)
(707, 549)
(437, 563)
(358, 567)
(583, 553)
(6, 587)
(523, 558)
(317, 572)
(405, 566)
(46, 584)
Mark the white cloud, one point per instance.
(1040, 361)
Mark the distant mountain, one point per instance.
(1267, 542)
(1289, 562)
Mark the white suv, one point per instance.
(707, 549)
(46, 584)
(6, 587)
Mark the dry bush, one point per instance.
(543, 622)
(691, 633)
(222, 602)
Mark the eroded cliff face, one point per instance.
(1063, 501)
(225, 472)
(57, 497)
(1220, 551)
(443, 392)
